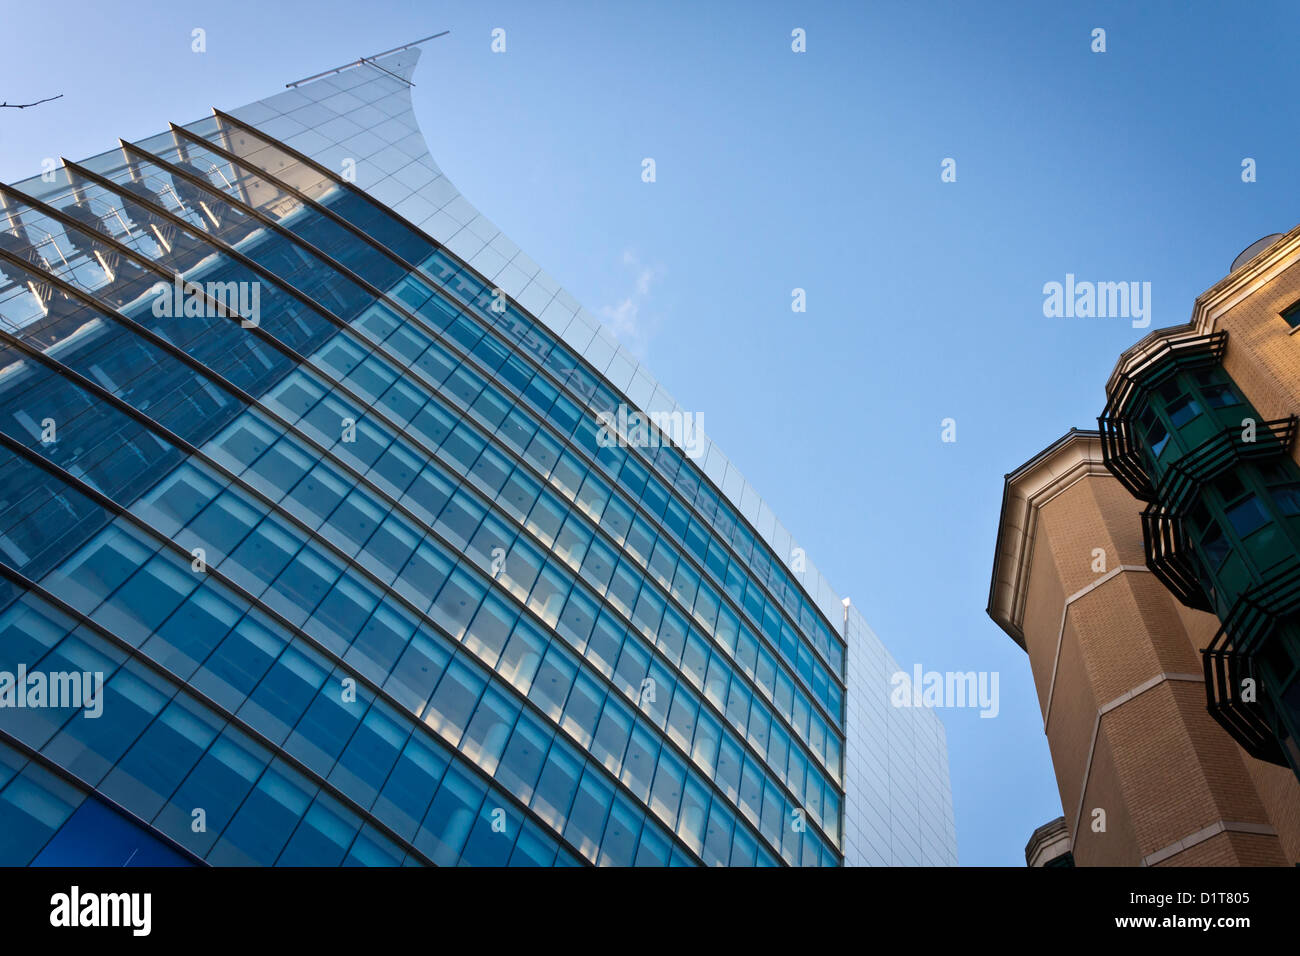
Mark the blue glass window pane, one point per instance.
(612, 734)
(695, 807)
(522, 656)
(586, 823)
(406, 794)
(534, 847)
(328, 723)
(263, 824)
(33, 805)
(451, 816)
(457, 602)
(453, 703)
(654, 848)
(156, 763)
(212, 792)
(490, 629)
(371, 848)
(550, 688)
(489, 729)
(492, 838)
(666, 792)
(556, 786)
(638, 765)
(323, 836)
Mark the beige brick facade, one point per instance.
(1116, 664)
(1115, 657)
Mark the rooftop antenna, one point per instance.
(370, 60)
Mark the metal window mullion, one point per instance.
(183, 686)
(654, 649)
(416, 521)
(224, 247)
(88, 792)
(293, 630)
(291, 237)
(274, 508)
(397, 430)
(467, 356)
(562, 384)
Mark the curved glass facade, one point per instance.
(325, 516)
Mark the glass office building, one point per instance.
(313, 550)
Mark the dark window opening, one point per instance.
(1221, 396)
(1247, 516)
(1292, 315)
(1287, 498)
(1157, 438)
(1183, 410)
(1214, 546)
(1230, 487)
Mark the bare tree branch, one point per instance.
(23, 106)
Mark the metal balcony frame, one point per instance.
(1119, 452)
(1230, 658)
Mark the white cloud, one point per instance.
(625, 319)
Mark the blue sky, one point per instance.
(819, 170)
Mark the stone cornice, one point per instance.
(1074, 456)
(1048, 842)
(1213, 303)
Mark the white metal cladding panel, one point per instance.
(898, 798)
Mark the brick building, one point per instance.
(1151, 571)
